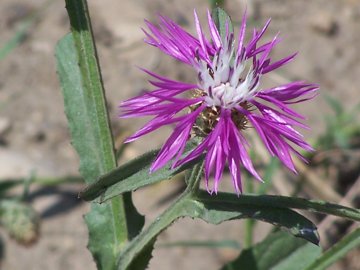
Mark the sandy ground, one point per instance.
(325, 33)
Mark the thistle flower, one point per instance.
(225, 100)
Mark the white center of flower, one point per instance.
(227, 82)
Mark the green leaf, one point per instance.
(133, 175)
(102, 242)
(144, 257)
(110, 225)
(85, 133)
(220, 208)
(288, 202)
(279, 251)
(335, 253)
(225, 206)
(216, 3)
(214, 212)
(223, 22)
(203, 244)
(101, 235)
(86, 112)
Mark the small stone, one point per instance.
(104, 35)
(39, 136)
(324, 23)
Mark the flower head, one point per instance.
(225, 100)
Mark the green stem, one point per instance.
(178, 209)
(249, 223)
(249, 229)
(336, 252)
(286, 202)
(27, 182)
(193, 180)
(148, 236)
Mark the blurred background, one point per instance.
(41, 216)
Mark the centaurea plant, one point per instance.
(211, 118)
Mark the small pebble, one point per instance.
(324, 23)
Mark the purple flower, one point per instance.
(226, 99)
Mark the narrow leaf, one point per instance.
(279, 251)
(223, 23)
(101, 235)
(142, 260)
(133, 175)
(203, 244)
(216, 3)
(118, 174)
(223, 207)
(88, 122)
(338, 251)
(288, 202)
(214, 210)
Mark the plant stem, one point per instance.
(249, 223)
(193, 180)
(148, 236)
(249, 229)
(336, 252)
